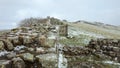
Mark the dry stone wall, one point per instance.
(23, 48)
(97, 50)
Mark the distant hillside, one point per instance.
(96, 29)
(99, 24)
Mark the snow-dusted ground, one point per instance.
(17, 48)
(111, 62)
(75, 31)
(62, 61)
(52, 37)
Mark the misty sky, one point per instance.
(13, 11)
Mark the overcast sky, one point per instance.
(106, 11)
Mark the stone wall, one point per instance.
(63, 30)
(94, 54)
(26, 48)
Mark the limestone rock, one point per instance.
(116, 49)
(14, 40)
(27, 40)
(40, 50)
(28, 57)
(42, 40)
(18, 63)
(48, 60)
(1, 45)
(5, 64)
(8, 45)
(11, 55)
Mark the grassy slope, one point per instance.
(89, 32)
(108, 33)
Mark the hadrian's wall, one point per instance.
(36, 50)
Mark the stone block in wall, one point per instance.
(15, 40)
(116, 49)
(1, 45)
(28, 57)
(42, 40)
(18, 63)
(5, 64)
(48, 60)
(27, 40)
(8, 45)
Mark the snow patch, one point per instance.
(76, 32)
(17, 48)
(111, 62)
(2, 53)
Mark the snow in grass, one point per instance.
(111, 62)
(75, 32)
